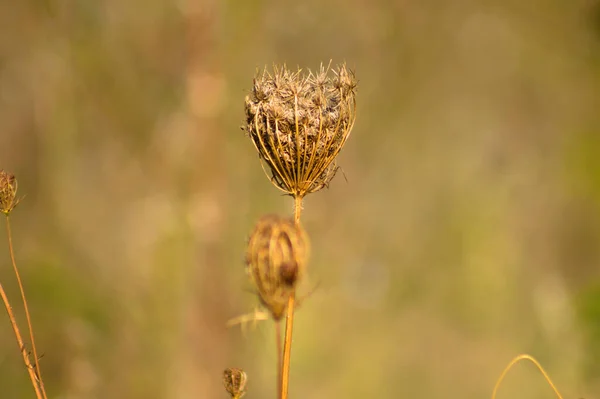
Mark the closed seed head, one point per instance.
(234, 380)
(8, 192)
(276, 260)
(299, 122)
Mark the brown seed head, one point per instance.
(8, 192)
(234, 380)
(299, 122)
(276, 259)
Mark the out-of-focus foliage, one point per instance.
(463, 228)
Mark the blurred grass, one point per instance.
(467, 231)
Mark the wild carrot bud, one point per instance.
(8, 192)
(299, 122)
(276, 259)
(234, 381)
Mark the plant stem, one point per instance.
(287, 347)
(22, 348)
(279, 355)
(536, 363)
(27, 316)
(289, 320)
(297, 209)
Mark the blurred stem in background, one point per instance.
(34, 371)
(22, 348)
(8, 202)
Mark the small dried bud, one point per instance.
(234, 381)
(299, 123)
(8, 192)
(276, 259)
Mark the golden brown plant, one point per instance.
(8, 201)
(8, 192)
(234, 380)
(299, 122)
(537, 365)
(276, 260)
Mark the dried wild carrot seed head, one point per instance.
(8, 192)
(299, 122)
(234, 380)
(276, 259)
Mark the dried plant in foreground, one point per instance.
(8, 201)
(299, 122)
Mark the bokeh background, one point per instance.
(464, 229)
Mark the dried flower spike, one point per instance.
(299, 122)
(8, 192)
(234, 380)
(276, 259)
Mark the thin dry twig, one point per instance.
(532, 360)
(26, 308)
(22, 348)
(8, 202)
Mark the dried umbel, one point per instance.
(234, 380)
(299, 122)
(8, 192)
(276, 259)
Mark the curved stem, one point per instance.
(27, 316)
(532, 360)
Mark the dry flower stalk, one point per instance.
(276, 260)
(299, 122)
(8, 192)
(234, 380)
(8, 201)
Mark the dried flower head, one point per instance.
(276, 259)
(234, 380)
(299, 122)
(8, 192)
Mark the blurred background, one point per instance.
(464, 229)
